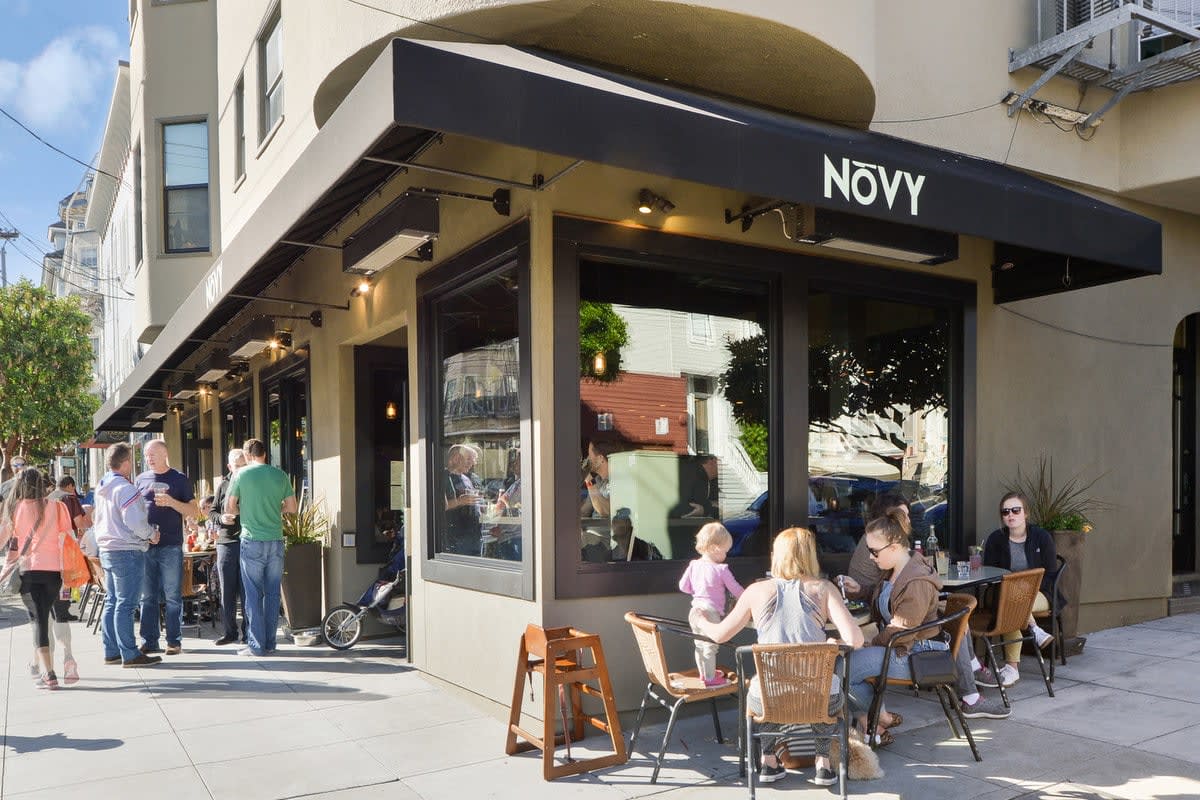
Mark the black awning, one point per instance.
(530, 100)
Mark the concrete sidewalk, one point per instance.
(315, 723)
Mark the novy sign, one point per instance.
(871, 184)
(213, 284)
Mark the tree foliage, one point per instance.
(601, 330)
(45, 372)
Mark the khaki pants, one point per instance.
(1012, 652)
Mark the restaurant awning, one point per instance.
(501, 94)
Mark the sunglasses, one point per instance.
(1014, 510)
(876, 551)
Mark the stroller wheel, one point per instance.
(341, 627)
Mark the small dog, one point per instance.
(864, 763)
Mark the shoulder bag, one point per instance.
(10, 576)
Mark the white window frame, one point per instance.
(239, 129)
(267, 86)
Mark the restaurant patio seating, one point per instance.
(671, 690)
(93, 595)
(1058, 649)
(794, 681)
(931, 669)
(1014, 602)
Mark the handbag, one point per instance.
(75, 572)
(10, 577)
(931, 668)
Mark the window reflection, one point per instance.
(879, 378)
(479, 458)
(673, 393)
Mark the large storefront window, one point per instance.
(287, 427)
(238, 426)
(477, 464)
(879, 419)
(673, 392)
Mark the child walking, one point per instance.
(707, 579)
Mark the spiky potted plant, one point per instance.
(1063, 509)
(304, 535)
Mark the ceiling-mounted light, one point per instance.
(176, 408)
(204, 390)
(282, 340)
(405, 224)
(649, 202)
(599, 363)
(391, 410)
(361, 288)
(213, 368)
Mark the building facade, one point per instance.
(498, 279)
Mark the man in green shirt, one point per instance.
(261, 494)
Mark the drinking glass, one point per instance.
(963, 568)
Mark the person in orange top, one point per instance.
(27, 516)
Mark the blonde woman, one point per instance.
(792, 606)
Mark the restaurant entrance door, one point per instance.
(1183, 462)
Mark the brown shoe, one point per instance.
(143, 661)
(116, 660)
(148, 650)
(174, 649)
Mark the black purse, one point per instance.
(931, 668)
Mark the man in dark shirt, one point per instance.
(166, 509)
(697, 487)
(229, 530)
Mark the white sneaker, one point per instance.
(1009, 675)
(1042, 638)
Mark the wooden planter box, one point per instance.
(1069, 545)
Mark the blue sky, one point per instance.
(58, 61)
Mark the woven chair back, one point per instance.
(649, 642)
(1018, 590)
(794, 680)
(957, 629)
(97, 571)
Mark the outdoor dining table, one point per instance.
(978, 577)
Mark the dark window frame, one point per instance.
(791, 275)
(290, 367)
(368, 359)
(501, 250)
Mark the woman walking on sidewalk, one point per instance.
(32, 526)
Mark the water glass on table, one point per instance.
(962, 569)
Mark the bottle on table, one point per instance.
(934, 553)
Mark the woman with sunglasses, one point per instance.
(1018, 545)
(905, 596)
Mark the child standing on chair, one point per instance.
(707, 579)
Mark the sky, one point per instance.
(58, 63)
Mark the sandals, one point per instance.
(882, 738)
(71, 672)
(897, 720)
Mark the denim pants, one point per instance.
(123, 574)
(867, 663)
(229, 573)
(262, 573)
(164, 574)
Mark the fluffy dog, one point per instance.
(864, 763)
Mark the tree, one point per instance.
(45, 372)
(601, 330)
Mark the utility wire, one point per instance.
(1080, 333)
(73, 285)
(26, 128)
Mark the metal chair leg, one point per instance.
(717, 722)
(750, 769)
(637, 726)
(956, 703)
(666, 738)
(1037, 651)
(991, 654)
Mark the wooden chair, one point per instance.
(940, 676)
(93, 595)
(794, 682)
(557, 654)
(1058, 649)
(1014, 602)
(671, 690)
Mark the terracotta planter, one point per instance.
(302, 585)
(1069, 545)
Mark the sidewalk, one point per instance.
(315, 723)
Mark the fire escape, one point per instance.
(1122, 46)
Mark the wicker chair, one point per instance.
(671, 690)
(954, 624)
(1014, 602)
(794, 681)
(1058, 650)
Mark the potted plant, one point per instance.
(304, 534)
(1062, 509)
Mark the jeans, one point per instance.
(262, 574)
(229, 573)
(123, 574)
(867, 663)
(164, 574)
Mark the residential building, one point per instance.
(368, 233)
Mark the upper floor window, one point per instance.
(270, 63)
(185, 187)
(239, 129)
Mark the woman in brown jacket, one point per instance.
(905, 597)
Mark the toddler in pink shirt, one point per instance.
(707, 579)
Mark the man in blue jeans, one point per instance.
(169, 498)
(122, 533)
(261, 494)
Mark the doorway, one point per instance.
(381, 445)
(1183, 430)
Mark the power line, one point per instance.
(73, 285)
(1080, 333)
(26, 128)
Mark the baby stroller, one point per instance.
(342, 626)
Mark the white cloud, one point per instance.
(72, 73)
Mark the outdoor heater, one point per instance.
(253, 339)
(213, 368)
(841, 231)
(404, 225)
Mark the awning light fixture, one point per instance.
(361, 288)
(282, 340)
(649, 202)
